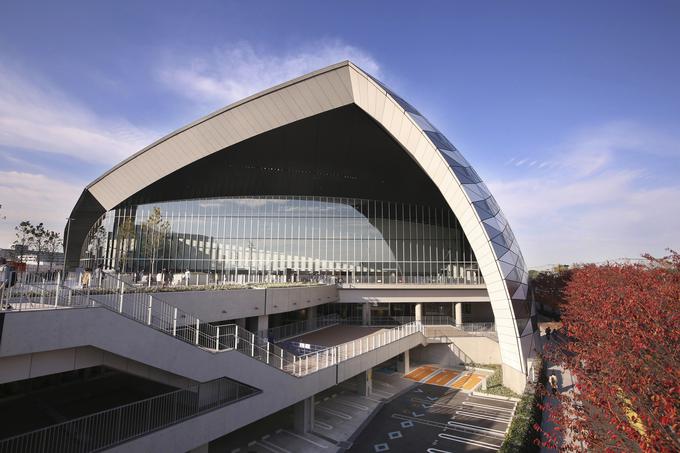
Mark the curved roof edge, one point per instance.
(220, 111)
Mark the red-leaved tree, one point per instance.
(621, 325)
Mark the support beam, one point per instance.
(366, 314)
(365, 383)
(304, 415)
(262, 323)
(404, 362)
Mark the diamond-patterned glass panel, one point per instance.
(501, 238)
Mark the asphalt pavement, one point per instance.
(435, 419)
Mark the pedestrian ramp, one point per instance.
(444, 377)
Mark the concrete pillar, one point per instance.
(311, 314)
(365, 383)
(419, 312)
(262, 323)
(459, 313)
(366, 314)
(303, 418)
(404, 362)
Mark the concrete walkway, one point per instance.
(565, 384)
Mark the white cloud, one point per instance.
(234, 72)
(35, 115)
(592, 206)
(34, 197)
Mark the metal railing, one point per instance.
(300, 327)
(148, 309)
(114, 426)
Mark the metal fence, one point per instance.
(114, 426)
(147, 308)
(298, 328)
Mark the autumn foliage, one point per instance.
(621, 332)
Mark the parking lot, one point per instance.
(338, 413)
(437, 419)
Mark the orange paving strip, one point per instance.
(420, 373)
(443, 377)
(467, 382)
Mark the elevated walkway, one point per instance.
(153, 334)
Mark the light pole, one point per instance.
(68, 230)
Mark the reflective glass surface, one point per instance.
(257, 239)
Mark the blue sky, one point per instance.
(570, 111)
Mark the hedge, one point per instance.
(521, 435)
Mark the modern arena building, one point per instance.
(325, 201)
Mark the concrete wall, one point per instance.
(281, 300)
(27, 366)
(412, 293)
(462, 350)
(479, 312)
(221, 305)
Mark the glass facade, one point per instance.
(286, 239)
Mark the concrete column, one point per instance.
(404, 362)
(365, 383)
(366, 314)
(311, 314)
(459, 313)
(262, 323)
(304, 415)
(419, 312)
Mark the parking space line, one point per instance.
(323, 425)
(305, 439)
(338, 414)
(487, 406)
(476, 443)
(481, 429)
(273, 448)
(484, 417)
(361, 407)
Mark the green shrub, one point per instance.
(521, 435)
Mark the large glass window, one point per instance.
(285, 239)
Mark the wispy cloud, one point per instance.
(34, 197)
(597, 202)
(227, 74)
(36, 115)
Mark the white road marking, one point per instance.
(262, 444)
(432, 398)
(481, 429)
(437, 450)
(483, 417)
(305, 439)
(476, 443)
(487, 406)
(352, 404)
(235, 450)
(417, 415)
(278, 431)
(324, 425)
(336, 413)
(418, 390)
